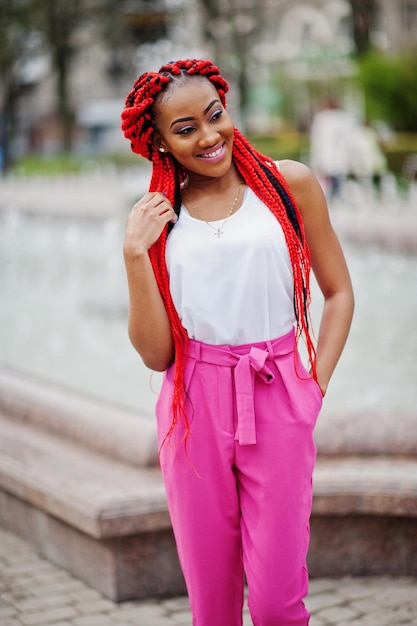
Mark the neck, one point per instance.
(214, 201)
(207, 184)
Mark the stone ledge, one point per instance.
(131, 436)
(104, 497)
(362, 545)
(394, 231)
(106, 520)
(121, 434)
(122, 568)
(367, 433)
(380, 486)
(82, 199)
(97, 495)
(364, 516)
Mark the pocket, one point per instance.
(305, 375)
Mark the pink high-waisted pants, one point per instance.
(240, 491)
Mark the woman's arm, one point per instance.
(329, 267)
(149, 327)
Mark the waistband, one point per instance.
(227, 355)
(246, 361)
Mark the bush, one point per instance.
(390, 88)
(398, 151)
(59, 164)
(282, 146)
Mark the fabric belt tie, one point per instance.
(245, 367)
(244, 373)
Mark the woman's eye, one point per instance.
(216, 115)
(185, 130)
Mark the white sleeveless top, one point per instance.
(237, 288)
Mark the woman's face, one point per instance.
(195, 128)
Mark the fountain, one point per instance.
(64, 308)
(78, 454)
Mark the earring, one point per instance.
(184, 184)
(161, 149)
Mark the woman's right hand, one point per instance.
(149, 325)
(146, 222)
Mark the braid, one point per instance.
(136, 116)
(263, 176)
(168, 175)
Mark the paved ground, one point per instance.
(34, 592)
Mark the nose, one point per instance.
(208, 137)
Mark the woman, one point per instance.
(218, 256)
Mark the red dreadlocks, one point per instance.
(256, 170)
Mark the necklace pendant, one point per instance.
(218, 231)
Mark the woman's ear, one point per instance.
(158, 143)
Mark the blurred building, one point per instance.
(311, 38)
(395, 26)
(109, 56)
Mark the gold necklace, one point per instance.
(218, 232)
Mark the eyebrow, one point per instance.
(187, 119)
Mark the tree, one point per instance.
(29, 28)
(60, 21)
(390, 87)
(60, 29)
(14, 51)
(232, 27)
(363, 15)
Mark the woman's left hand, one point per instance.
(329, 267)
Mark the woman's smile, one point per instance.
(196, 129)
(215, 155)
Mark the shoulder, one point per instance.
(304, 186)
(296, 174)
